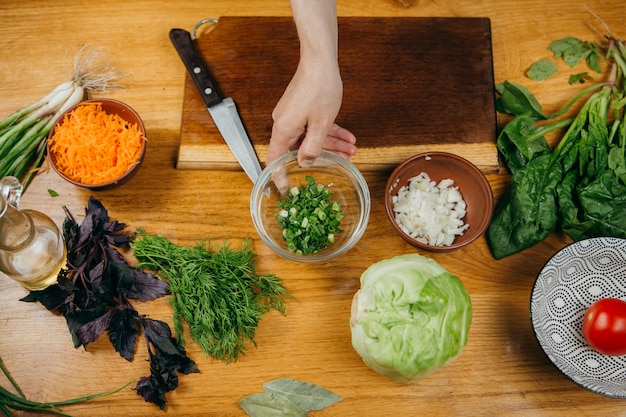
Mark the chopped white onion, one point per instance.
(430, 213)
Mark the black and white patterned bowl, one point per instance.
(573, 279)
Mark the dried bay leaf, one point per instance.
(270, 405)
(307, 396)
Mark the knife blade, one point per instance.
(222, 110)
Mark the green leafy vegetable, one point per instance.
(309, 218)
(573, 51)
(577, 78)
(579, 187)
(288, 397)
(517, 100)
(215, 290)
(410, 317)
(542, 70)
(10, 401)
(93, 293)
(52, 193)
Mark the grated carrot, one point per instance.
(91, 146)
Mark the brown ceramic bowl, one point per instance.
(109, 106)
(472, 185)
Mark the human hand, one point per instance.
(304, 118)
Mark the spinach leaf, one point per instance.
(573, 51)
(577, 78)
(581, 185)
(528, 212)
(541, 70)
(515, 99)
(595, 204)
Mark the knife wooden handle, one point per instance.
(181, 39)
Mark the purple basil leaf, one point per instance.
(124, 275)
(95, 206)
(183, 364)
(65, 283)
(159, 334)
(169, 351)
(162, 369)
(150, 389)
(93, 300)
(51, 298)
(85, 231)
(90, 331)
(74, 322)
(95, 275)
(119, 240)
(70, 231)
(123, 331)
(114, 255)
(146, 287)
(113, 226)
(134, 282)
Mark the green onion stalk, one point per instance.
(24, 134)
(18, 402)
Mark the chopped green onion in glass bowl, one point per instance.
(314, 214)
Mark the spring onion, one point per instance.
(309, 218)
(23, 134)
(10, 401)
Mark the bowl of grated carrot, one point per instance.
(97, 144)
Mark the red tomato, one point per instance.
(604, 326)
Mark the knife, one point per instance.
(223, 110)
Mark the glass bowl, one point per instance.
(348, 188)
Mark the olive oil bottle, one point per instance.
(32, 249)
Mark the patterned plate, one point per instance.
(573, 279)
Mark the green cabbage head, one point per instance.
(410, 317)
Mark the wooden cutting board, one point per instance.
(410, 85)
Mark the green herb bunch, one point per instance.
(580, 186)
(215, 289)
(309, 218)
(93, 294)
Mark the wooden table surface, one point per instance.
(501, 372)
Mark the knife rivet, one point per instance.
(208, 91)
(197, 70)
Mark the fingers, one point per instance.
(341, 141)
(284, 139)
(338, 140)
(311, 145)
(342, 133)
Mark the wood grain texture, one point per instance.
(405, 90)
(501, 372)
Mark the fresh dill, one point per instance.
(215, 290)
